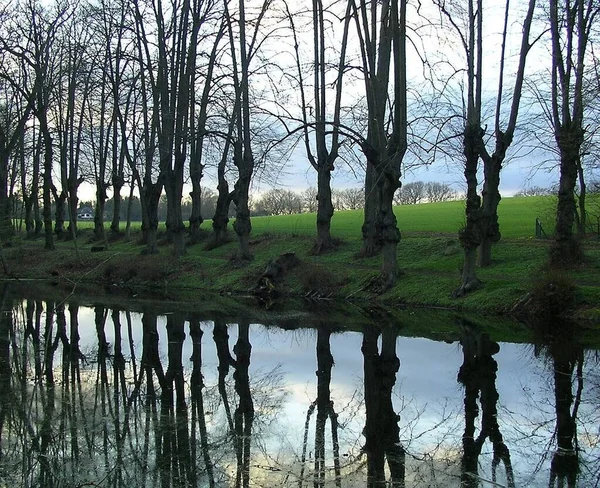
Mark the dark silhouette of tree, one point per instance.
(571, 24)
(382, 433)
(478, 376)
(244, 412)
(198, 411)
(381, 30)
(566, 356)
(326, 139)
(325, 410)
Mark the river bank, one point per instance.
(429, 265)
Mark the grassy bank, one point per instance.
(429, 258)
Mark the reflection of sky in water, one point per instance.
(427, 395)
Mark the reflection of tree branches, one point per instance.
(381, 431)
(221, 338)
(325, 410)
(565, 461)
(198, 413)
(478, 375)
(244, 413)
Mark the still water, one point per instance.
(111, 396)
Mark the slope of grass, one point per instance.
(429, 258)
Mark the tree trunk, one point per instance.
(35, 191)
(221, 216)
(117, 182)
(29, 222)
(490, 230)
(370, 246)
(582, 223)
(47, 185)
(151, 197)
(73, 205)
(470, 235)
(99, 233)
(175, 225)
(6, 227)
(196, 197)
(387, 225)
(242, 224)
(129, 207)
(565, 250)
(324, 211)
(60, 201)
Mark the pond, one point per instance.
(94, 393)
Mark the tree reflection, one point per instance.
(381, 431)
(325, 410)
(5, 384)
(478, 376)
(81, 406)
(244, 413)
(567, 357)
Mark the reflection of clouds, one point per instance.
(426, 396)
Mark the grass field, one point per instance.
(517, 219)
(429, 258)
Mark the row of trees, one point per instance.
(281, 202)
(153, 95)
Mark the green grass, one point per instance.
(429, 259)
(516, 215)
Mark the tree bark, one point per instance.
(371, 243)
(196, 197)
(60, 200)
(565, 250)
(151, 197)
(242, 224)
(324, 211)
(101, 197)
(490, 230)
(47, 181)
(221, 217)
(470, 235)
(118, 181)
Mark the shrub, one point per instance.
(552, 294)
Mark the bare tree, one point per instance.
(492, 163)
(570, 26)
(279, 202)
(326, 140)
(350, 198)
(309, 199)
(410, 193)
(439, 192)
(14, 114)
(198, 131)
(243, 156)
(74, 87)
(382, 36)
(471, 39)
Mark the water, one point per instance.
(144, 395)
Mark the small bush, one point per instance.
(316, 280)
(552, 294)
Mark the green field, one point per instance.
(516, 215)
(517, 219)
